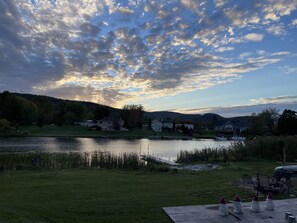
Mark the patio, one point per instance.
(210, 213)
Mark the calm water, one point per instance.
(167, 149)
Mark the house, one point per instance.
(86, 123)
(168, 125)
(188, 126)
(225, 127)
(230, 128)
(106, 124)
(157, 125)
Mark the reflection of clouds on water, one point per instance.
(166, 149)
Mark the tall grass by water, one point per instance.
(44, 160)
(262, 148)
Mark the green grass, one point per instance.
(78, 131)
(205, 135)
(98, 195)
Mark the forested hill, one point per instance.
(208, 117)
(28, 108)
(58, 101)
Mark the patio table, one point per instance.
(210, 213)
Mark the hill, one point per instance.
(205, 118)
(202, 118)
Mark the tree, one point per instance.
(270, 115)
(16, 109)
(132, 116)
(101, 112)
(6, 128)
(74, 111)
(59, 115)
(45, 111)
(263, 122)
(257, 124)
(287, 123)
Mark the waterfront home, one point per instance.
(157, 125)
(168, 125)
(229, 128)
(86, 123)
(105, 124)
(188, 126)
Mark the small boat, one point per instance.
(221, 138)
(237, 138)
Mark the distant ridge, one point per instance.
(208, 117)
(190, 117)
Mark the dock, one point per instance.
(158, 160)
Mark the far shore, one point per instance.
(84, 132)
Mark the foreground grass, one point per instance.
(92, 195)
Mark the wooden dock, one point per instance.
(155, 159)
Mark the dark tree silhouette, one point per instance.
(16, 109)
(132, 116)
(287, 123)
(101, 112)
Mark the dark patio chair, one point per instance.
(248, 182)
(266, 184)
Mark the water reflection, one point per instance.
(167, 149)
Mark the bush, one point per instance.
(6, 128)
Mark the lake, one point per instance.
(166, 149)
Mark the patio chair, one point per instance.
(248, 182)
(266, 184)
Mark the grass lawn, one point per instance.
(78, 131)
(92, 195)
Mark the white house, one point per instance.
(226, 127)
(168, 125)
(157, 125)
(86, 123)
(105, 124)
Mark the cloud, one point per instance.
(117, 52)
(255, 37)
(294, 22)
(280, 7)
(223, 49)
(277, 30)
(279, 99)
(220, 3)
(257, 105)
(288, 69)
(271, 16)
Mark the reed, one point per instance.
(272, 148)
(44, 160)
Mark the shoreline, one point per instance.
(151, 137)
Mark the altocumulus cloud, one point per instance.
(114, 52)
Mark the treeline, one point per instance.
(270, 122)
(20, 109)
(44, 110)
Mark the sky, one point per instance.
(230, 57)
